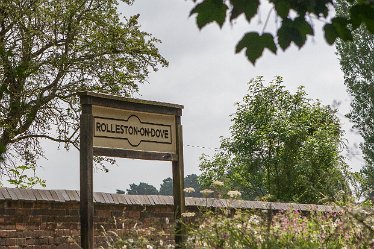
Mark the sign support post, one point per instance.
(129, 128)
(86, 178)
(178, 186)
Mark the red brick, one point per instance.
(8, 234)
(9, 242)
(7, 227)
(62, 232)
(21, 226)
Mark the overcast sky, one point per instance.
(207, 78)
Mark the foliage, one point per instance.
(166, 187)
(295, 19)
(289, 229)
(357, 62)
(120, 191)
(346, 227)
(52, 49)
(142, 189)
(283, 147)
(190, 181)
(20, 177)
(136, 237)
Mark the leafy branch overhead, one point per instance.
(295, 21)
(49, 51)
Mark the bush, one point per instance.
(353, 227)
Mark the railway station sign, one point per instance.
(129, 128)
(133, 130)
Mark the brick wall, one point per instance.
(46, 219)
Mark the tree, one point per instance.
(119, 191)
(282, 147)
(52, 49)
(190, 181)
(166, 187)
(357, 62)
(295, 18)
(141, 189)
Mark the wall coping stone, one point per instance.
(44, 195)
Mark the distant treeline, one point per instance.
(166, 187)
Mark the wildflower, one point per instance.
(206, 192)
(254, 219)
(149, 247)
(234, 194)
(167, 221)
(189, 190)
(188, 214)
(217, 184)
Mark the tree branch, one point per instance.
(60, 140)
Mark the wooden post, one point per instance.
(178, 187)
(86, 178)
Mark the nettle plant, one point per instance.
(138, 236)
(353, 227)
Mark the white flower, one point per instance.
(189, 190)
(188, 214)
(234, 194)
(206, 192)
(149, 247)
(167, 220)
(217, 183)
(254, 219)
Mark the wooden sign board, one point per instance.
(133, 130)
(130, 128)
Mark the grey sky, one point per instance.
(207, 78)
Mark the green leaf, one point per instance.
(355, 15)
(370, 25)
(362, 13)
(210, 11)
(2, 152)
(284, 39)
(330, 33)
(282, 8)
(255, 45)
(243, 43)
(268, 41)
(295, 31)
(249, 8)
(303, 26)
(340, 26)
(297, 37)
